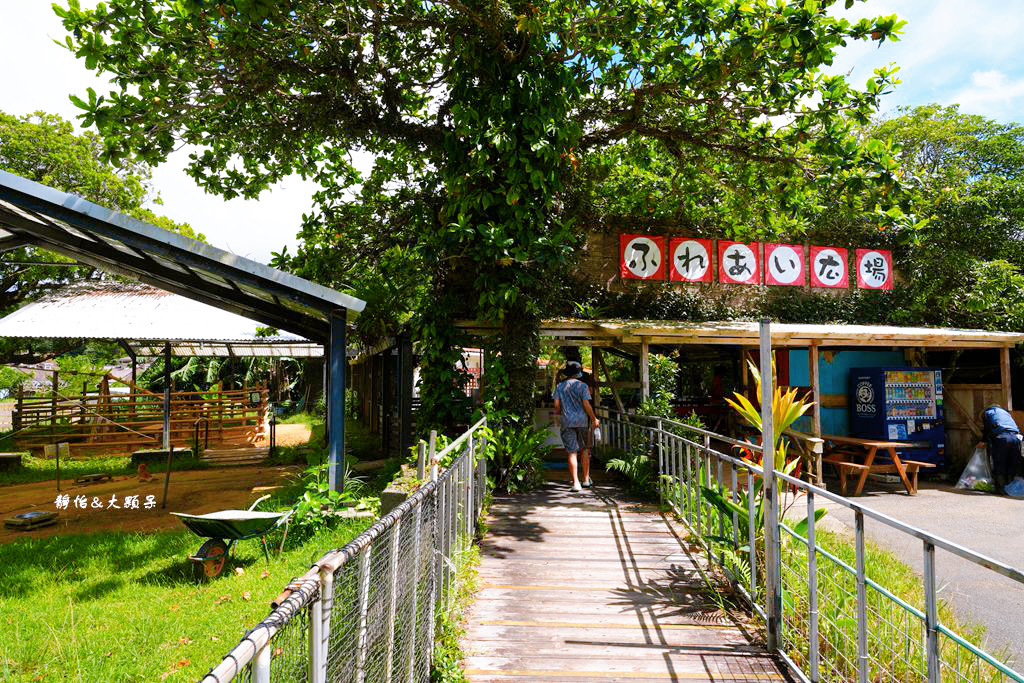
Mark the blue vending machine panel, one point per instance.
(900, 404)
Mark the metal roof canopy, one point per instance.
(739, 333)
(34, 214)
(41, 216)
(146, 318)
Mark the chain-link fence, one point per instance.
(833, 612)
(366, 613)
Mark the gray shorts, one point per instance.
(575, 439)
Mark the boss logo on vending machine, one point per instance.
(865, 398)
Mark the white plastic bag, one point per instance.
(977, 475)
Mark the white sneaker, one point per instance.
(576, 487)
(587, 484)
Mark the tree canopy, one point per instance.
(487, 121)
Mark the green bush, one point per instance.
(515, 455)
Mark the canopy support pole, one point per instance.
(336, 401)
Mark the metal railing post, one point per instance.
(661, 459)
(812, 589)
(316, 642)
(261, 665)
(417, 563)
(396, 536)
(364, 592)
(432, 450)
(326, 610)
(862, 600)
(773, 592)
(931, 605)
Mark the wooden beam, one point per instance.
(1004, 368)
(608, 379)
(814, 355)
(645, 370)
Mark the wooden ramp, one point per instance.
(597, 587)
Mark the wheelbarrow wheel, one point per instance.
(209, 560)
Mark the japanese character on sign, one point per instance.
(642, 258)
(738, 263)
(784, 265)
(828, 267)
(691, 260)
(874, 269)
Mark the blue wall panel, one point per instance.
(835, 379)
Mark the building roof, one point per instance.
(146, 317)
(741, 333)
(37, 215)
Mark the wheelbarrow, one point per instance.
(230, 525)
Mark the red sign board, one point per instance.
(784, 265)
(829, 267)
(874, 269)
(691, 260)
(641, 257)
(739, 263)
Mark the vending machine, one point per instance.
(900, 404)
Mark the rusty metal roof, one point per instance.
(147, 317)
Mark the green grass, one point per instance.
(359, 442)
(40, 469)
(123, 606)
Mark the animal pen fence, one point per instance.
(94, 423)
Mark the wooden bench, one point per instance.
(844, 467)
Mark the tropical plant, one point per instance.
(318, 504)
(515, 455)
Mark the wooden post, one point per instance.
(615, 392)
(53, 403)
(16, 418)
(645, 370)
(1004, 368)
(814, 355)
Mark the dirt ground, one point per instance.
(195, 492)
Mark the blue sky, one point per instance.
(966, 51)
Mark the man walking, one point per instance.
(572, 404)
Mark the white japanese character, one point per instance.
(113, 502)
(150, 502)
(81, 502)
(131, 502)
(62, 501)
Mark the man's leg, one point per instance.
(572, 470)
(585, 457)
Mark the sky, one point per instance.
(952, 51)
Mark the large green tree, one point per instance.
(482, 116)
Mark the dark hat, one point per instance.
(572, 368)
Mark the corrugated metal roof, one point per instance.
(31, 213)
(141, 313)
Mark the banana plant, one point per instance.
(787, 408)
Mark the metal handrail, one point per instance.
(674, 449)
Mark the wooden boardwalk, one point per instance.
(597, 587)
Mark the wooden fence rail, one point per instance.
(94, 423)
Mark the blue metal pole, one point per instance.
(336, 401)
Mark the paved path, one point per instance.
(596, 587)
(988, 524)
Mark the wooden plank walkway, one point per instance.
(595, 586)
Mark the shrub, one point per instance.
(515, 455)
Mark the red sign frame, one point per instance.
(843, 255)
(723, 275)
(864, 284)
(624, 270)
(674, 274)
(769, 279)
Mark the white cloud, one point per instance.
(991, 91)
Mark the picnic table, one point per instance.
(848, 454)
